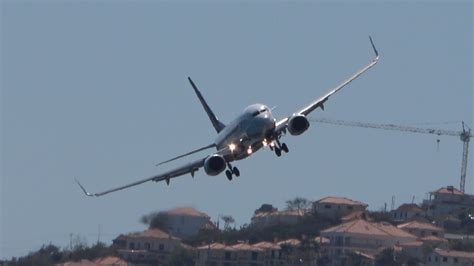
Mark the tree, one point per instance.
(228, 220)
(297, 204)
(266, 208)
(155, 220)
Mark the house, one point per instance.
(216, 254)
(422, 229)
(265, 219)
(272, 253)
(448, 221)
(151, 246)
(248, 254)
(413, 249)
(336, 207)
(449, 257)
(287, 252)
(185, 221)
(364, 236)
(448, 200)
(221, 255)
(407, 211)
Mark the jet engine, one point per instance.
(297, 124)
(214, 164)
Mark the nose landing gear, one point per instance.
(232, 171)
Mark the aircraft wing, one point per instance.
(283, 123)
(166, 176)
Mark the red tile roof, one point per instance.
(409, 207)
(246, 247)
(216, 246)
(353, 216)
(185, 211)
(453, 253)
(448, 190)
(290, 242)
(420, 225)
(151, 233)
(267, 245)
(340, 200)
(364, 227)
(415, 243)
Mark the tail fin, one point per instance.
(215, 122)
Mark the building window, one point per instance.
(347, 241)
(429, 258)
(161, 247)
(132, 245)
(254, 255)
(327, 206)
(350, 207)
(227, 255)
(445, 259)
(436, 258)
(147, 246)
(455, 260)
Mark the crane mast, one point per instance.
(465, 136)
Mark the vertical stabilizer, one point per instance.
(215, 122)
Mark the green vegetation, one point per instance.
(51, 254)
(308, 226)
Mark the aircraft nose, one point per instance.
(259, 128)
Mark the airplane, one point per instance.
(253, 129)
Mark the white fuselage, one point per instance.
(247, 133)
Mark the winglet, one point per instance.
(375, 49)
(83, 189)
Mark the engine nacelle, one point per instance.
(214, 164)
(298, 124)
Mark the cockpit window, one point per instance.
(261, 110)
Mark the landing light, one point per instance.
(232, 147)
(265, 143)
(249, 150)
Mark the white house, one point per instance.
(337, 207)
(151, 246)
(449, 258)
(185, 222)
(408, 211)
(364, 236)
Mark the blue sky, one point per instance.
(98, 91)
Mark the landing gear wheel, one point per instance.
(277, 151)
(228, 173)
(236, 171)
(284, 147)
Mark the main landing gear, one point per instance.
(280, 147)
(232, 171)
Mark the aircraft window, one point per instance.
(263, 109)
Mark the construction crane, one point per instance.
(465, 136)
